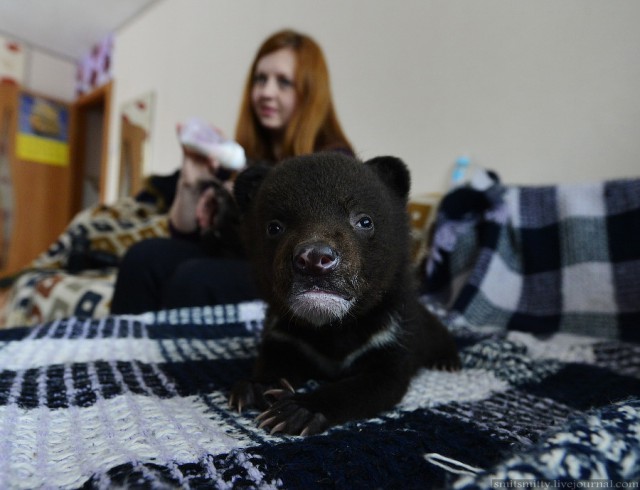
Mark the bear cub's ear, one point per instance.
(247, 184)
(393, 172)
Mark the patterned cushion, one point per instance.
(111, 229)
(44, 295)
(47, 292)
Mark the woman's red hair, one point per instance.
(314, 124)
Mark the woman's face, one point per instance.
(273, 95)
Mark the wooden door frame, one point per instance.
(99, 98)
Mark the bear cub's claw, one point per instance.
(288, 416)
(247, 394)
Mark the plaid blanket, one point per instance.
(540, 259)
(142, 402)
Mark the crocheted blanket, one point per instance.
(142, 402)
(541, 259)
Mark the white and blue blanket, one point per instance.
(141, 402)
(540, 259)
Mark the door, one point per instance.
(89, 147)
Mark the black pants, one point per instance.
(161, 273)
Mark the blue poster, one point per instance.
(43, 131)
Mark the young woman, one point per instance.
(286, 110)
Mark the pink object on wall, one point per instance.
(94, 70)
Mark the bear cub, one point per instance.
(328, 238)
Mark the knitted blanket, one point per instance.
(541, 259)
(142, 402)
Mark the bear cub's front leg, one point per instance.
(269, 390)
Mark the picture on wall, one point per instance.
(43, 131)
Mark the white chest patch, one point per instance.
(380, 339)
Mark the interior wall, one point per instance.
(541, 92)
(51, 75)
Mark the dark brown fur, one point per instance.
(328, 237)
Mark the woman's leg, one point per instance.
(210, 281)
(146, 269)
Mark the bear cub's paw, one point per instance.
(289, 415)
(283, 411)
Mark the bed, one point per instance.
(141, 401)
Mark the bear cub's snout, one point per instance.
(319, 290)
(328, 238)
(315, 259)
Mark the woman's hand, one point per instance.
(197, 168)
(191, 207)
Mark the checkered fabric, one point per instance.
(541, 259)
(141, 402)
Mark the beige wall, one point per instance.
(51, 75)
(542, 91)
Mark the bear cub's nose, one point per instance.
(315, 259)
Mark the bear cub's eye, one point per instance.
(274, 228)
(363, 222)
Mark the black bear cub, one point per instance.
(328, 237)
